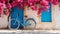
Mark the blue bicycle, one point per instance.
(28, 23)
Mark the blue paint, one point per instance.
(16, 10)
(46, 15)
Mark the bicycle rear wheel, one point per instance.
(32, 24)
(14, 24)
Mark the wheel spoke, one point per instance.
(31, 24)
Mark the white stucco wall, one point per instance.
(3, 21)
(33, 14)
(57, 16)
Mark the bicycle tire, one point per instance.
(33, 21)
(10, 24)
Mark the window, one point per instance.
(46, 15)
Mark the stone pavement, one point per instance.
(29, 31)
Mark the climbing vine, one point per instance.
(6, 5)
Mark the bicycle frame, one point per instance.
(24, 24)
(24, 21)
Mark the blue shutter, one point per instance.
(16, 10)
(46, 15)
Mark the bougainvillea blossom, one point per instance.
(44, 4)
(2, 6)
(39, 11)
(55, 2)
(8, 4)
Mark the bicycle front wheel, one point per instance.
(14, 24)
(32, 24)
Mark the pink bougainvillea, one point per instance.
(44, 4)
(6, 5)
(2, 6)
(39, 11)
(55, 2)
